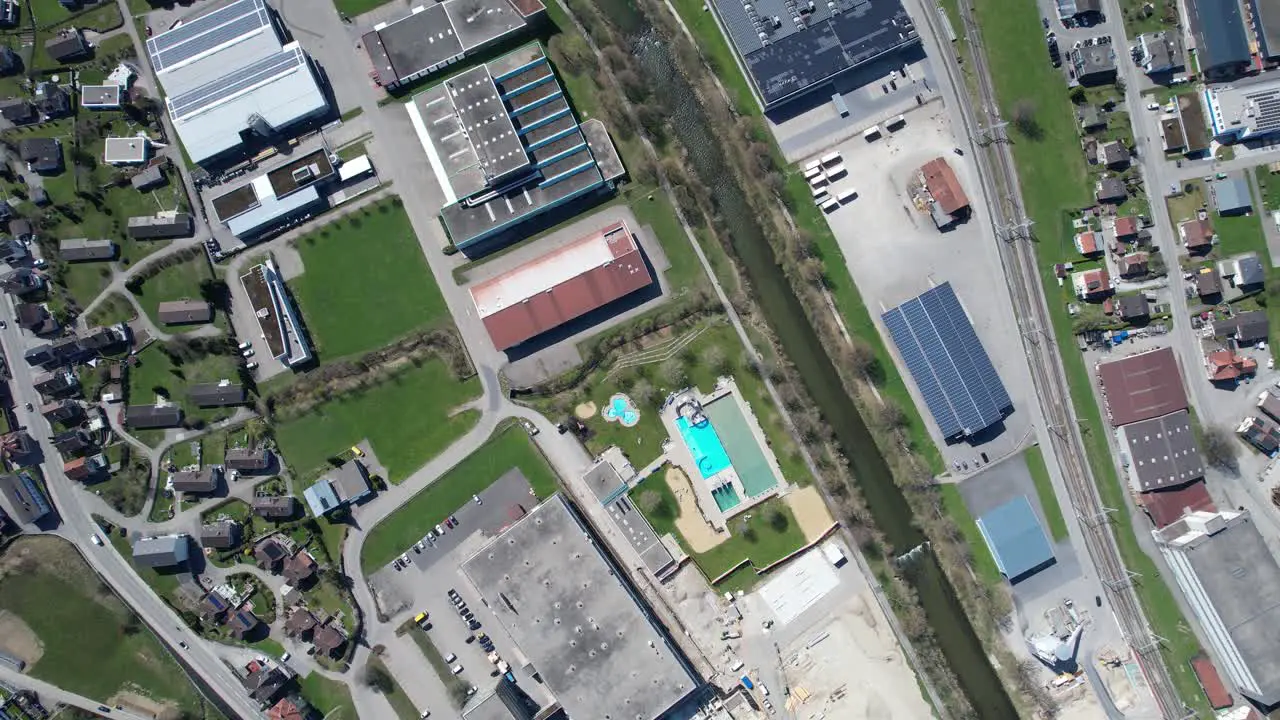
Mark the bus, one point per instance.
(820, 195)
(812, 173)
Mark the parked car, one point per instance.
(245, 345)
(450, 658)
(456, 669)
(251, 366)
(247, 353)
(477, 499)
(96, 540)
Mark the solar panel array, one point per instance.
(948, 363)
(228, 85)
(206, 32)
(1267, 103)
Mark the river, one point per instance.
(803, 347)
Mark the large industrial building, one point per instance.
(1160, 452)
(278, 320)
(578, 623)
(1231, 581)
(1244, 110)
(560, 286)
(1016, 539)
(275, 197)
(440, 34)
(227, 76)
(506, 148)
(793, 48)
(1142, 386)
(1265, 17)
(948, 363)
(1222, 46)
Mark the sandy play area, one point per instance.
(695, 530)
(18, 639)
(585, 411)
(810, 511)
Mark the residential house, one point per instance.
(203, 481)
(161, 552)
(100, 97)
(1092, 285)
(146, 227)
(221, 535)
(244, 460)
(300, 623)
(83, 468)
(1269, 403)
(100, 339)
(1091, 118)
(12, 252)
(56, 383)
(1161, 52)
(1226, 366)
(220, 394)
(1110, 190)
(275, 507)
(143, 417)
(1126, 229)
(1089, 243)
(213, 607)
(300, 569)
(1246, 328)
(22, 499)
(52, 101)
(242, 623)
(1197, 235)
(1261, 432)
(263, 683)
(21, 282)
(293, 707)
(72, 443)
(1208, 284)
(270, 553)
(328, 639)
(42, 155)
(1134, 308)
(1133, 265)
(67, 46)
(149, 179)
(22, 230)
(35, 318)
(85, 250)
(1231, 195)
(181, 312)
(62, 411)
(1114, 155)
(1247, 273)
(17, 445)
(18, 111)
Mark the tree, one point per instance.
(376, 678)
(649, 501)
(642, 392)
(1220, 450)
(776, 519)
(862, 358)
(1024, 119)
(747, 532)
(673, 373)
(891, 414)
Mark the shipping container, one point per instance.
(812, 173)
(835, 172)
(871, 133)
(813, 165)
(830, 205)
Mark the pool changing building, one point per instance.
(506, 148)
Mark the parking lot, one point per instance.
(423, 584)
(894, 252)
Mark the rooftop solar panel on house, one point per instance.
(948, 363)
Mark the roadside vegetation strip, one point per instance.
(980, 559)
(330, 698)
(1044, 490)
(365, 282)
(452, 683)
(386, 685)
(1052, 191)
(87, 640)
(509, 448)
(408, 418)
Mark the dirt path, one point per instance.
(18, 639)
(695, 530)
(811, 513)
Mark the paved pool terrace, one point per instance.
(719, 444)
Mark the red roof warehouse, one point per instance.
(562, 285)
(1142, 386)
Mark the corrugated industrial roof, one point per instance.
(1017, 542)
(1142, 386)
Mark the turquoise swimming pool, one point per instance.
(703, 443)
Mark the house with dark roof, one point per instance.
(1197, 235)
(300, 568)
(10, 61)
(1111, 190)
(221, 535)
(148, 179)
(22, 499)
(242, 623)
(52, 101)
(72, 443)
(146, 227)
(328, 639)
(35, 318)
(61, 411)
(18, 111)
(300, 623)
(218, 394)
(204, 480)
(56, 383)
(67, 46)
(270, 553)
(1161, 52)
(1134, 308)
(161, 552)
(1208, 283)
(100, 339)
(1261, 432)
(182, 312)
(1246, 328)
(1231, 195)
(22, 230)
(152, 416)
(1091, 117)
(21, 282)
(1247, 273)
(1114, 155)
(42, 155)
(275, 507)
(264, 684)
(213, 607)
(85, 250)
(248, 461)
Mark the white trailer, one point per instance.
(831, 159)
(813, 165)
(845, 196)
(836, 172)
(834, 554)
(812, 173)
(871, 133)
(830, 205)
(819, 195)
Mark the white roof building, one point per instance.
(126, 150)
(227, 71)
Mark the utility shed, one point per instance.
(1017, 541)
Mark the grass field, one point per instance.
(770, 539)
(330, 698)
(1044, 491)
(155, 373)
(509, 448)
(405, 418)
(178, 282)
(93, 644)
(352, 8)
(983, 562)
(115, 308)
(366, 282)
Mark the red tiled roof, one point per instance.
(1142, 386)
(1126, 226)
(285, 710)
(1226, 365)
(1209, 680)
(1196, 233)
(1087, 242)
(1165, 507)
(519, 304)
(1133, 263)
(943, 185)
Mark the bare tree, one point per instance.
(649, 501)
(1220, 450)
(1024, 119)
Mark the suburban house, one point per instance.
(61, 411)
(300, 623)
(1226, 366)
(21, 282)
(270, 553)
(52, 101)
(1231, 195)
(263, 683)
(1197, 235)
(161, 552)
(1134, 308)
(83, 468)
(1245, 272)
(143, 417)
(85, 250)
(36, 318)
(72, 443)
(1092, 284)
(22, 230)
(1161, 52)
(293, 707)
(348, 484)
(1246, 328)
(1126, 229)
(242, 623)
(18, 111)
(219, 394)
(1133, 265)
(42, 155)
(67, 46)
(1111, 190)
(221, 535)
(146, 227)
(148, 179)
(204, 480)
(100, 97)
(1208, 283)
(181, 312)
(1088, 243)
(1094, 63)
(248, 461)
(1114, 155)
(213, 607)
(56, 383)
(328, 639)
(275, 508)
(1091, 117)
(300, 568)
(1261, 432)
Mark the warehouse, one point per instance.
(790, 49)
(949, 204)
(560, 286)
(440, 34)
(269, 200)
(1231, 581)
(1142, 386)
(582, 627)
(946, 360)
(1160, 452)
(1222, 47)
(1017, 541)
(1244, 110)
(226, 74)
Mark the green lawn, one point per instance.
(115, 308)
(366, 282)
(93, 644)
(984, 565)
(1044, 491)
(400, 702)
(509, 448)
(178, 282)
(352, 8)
(405, 418)
(767, 542)
(330, 698)
(155, 372)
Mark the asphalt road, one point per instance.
(50, 694)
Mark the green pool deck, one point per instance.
(742, 443)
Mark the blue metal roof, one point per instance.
(948, 363)
(1231, 194)
(321, 498)
(1015, 537)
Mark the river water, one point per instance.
(802, 346)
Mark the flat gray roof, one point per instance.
(415, 43)
(604, 481)
(593, 641)
(1162, 452)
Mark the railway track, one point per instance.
(999, 178)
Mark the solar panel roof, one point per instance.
(948, 363)
(206, 32)
(1015, 537)
(236, 82)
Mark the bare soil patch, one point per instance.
(695, 530)
(142, 705)
(585, 411)
(810, 511)
(18, 639)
